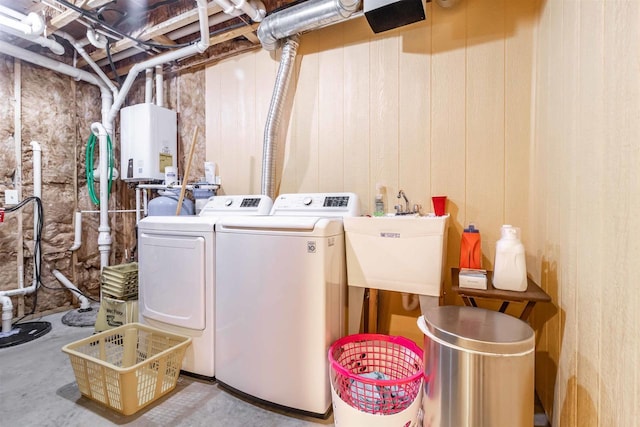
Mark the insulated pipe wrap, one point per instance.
(303, 17)
(283, 78)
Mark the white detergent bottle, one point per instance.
(510, 267)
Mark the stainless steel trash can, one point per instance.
(479, 368)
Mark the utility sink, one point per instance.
(394, 253)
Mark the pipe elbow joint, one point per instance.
(98, 129)
(97, 40)
(35, 24)
(202, 45)
(265, 35)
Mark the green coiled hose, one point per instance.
(89, 166)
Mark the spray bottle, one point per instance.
(379, 202)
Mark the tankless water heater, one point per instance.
(148, 141)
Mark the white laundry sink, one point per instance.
(396, 253)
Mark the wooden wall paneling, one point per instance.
(592, 206)
(485, 81)
(562, 210)
(241, 138)
(214, 146)
(548, 56)
(331, 93)
(414, 113)
(356, 112)
(304, 175)
(520, 19)
(384, 110)
(618, 363)
(413, 149)
(448, 124)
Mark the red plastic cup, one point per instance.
(439, 203)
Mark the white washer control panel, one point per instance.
(244, 205)
(317, 204)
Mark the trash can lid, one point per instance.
(478, 329)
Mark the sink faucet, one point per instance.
(399, 209)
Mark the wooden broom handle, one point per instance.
(186, 171)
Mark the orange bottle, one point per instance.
(470, 248)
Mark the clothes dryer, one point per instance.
(281, 299)
(176, 274)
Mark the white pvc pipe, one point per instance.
(30, 25)
(7, 313)
(52, 64)
(50, 44)
(104, 231)
(107, 101)
(410, 301)
(77, 238)
(97, 40)
(198, 47)
(37, 192)
(254, 9)
(15, 25)
(111, 106)
(228, 8)
(159, 87)
(148, 86)
(84, 301)
(137, 205)
(78, 47)
(12, 13)
(218, 18)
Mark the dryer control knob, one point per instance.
(228, 202)
(307, 201)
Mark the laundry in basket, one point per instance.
(375, 396)
(376, 380)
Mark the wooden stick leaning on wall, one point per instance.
(186, 171)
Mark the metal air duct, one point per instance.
(310, 15)
(287, 61)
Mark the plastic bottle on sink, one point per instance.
(510, 267)
(379, 202)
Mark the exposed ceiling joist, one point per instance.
(68, 16)
(154, 31)
(217, 39)
(232, 34)
(163, 39)
(138, 30)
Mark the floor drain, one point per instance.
(24, 332)
(80, 317)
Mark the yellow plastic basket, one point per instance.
(128, 367)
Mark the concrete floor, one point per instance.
(38, 388)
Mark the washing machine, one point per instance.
(176, 274)
(281, 299)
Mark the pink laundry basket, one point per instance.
(376, 376)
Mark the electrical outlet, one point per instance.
(11, 197)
